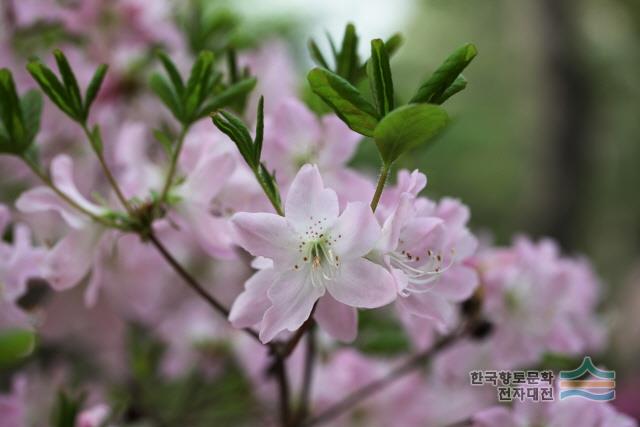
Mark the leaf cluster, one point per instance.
(203, 92)
(394, 129)
(19, 116)
(64, 91)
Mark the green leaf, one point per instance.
(379, 72)
(347, 60)
(259, 130)
(408, 127)
(233, 127)
(66, 410)
(31, 105)
(446, 74)
(160, 86)
(52, 87)
(316, 54)
(174, 74)
(393, 44)
(458, 85)
(197, 88)
(95, 138)
(94, 88)
(165, 140)
(11, 113)
(69, 80)
(345, 100)
(15, 344)
(230, 95)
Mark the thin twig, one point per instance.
(107, 171)
(173, 163)
(193, 282)
(307, 379)
(373, 387)
(280, 372)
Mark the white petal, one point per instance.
(250, 306)
(71, 258)
(362, 283)
(309, 202)
(267, 235)
(42, 199)
(62, 177)
(355, 232)
(205, 181)
(337, 319)
(292, 296)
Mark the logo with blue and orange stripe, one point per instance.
(589, 382)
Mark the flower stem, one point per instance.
(193, 282)
(384, 173)
(173, 163)
(107, 172)
(307, 380)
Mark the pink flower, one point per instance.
(313, 250)
(12, 406)
(425, 246)
(560, 413)
(19, 261)
(93, 417)
(538, 302)
(72, 257)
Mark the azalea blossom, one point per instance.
(73, 256)
(313, 250)
(425, 246)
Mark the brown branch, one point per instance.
(307, 379)
(377, 385)
(193, 283)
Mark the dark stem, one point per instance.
(372, 388)
(192, 282)
(280, 372)
(291, 345)
(307, 379)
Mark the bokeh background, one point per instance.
(545, 139)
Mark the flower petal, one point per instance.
(292, 296)
(308, 201)
(456, 284)
(355, 232)
(62, 177)
(394, 223)
(71, 258)
(213, 234)
(429, 306)
(362, 283)
(337, 319)
(250, 306)
(267, 235)
(339, 142)
(205, 181)
(42, 199)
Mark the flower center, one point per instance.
(421, 271)
(316, 252)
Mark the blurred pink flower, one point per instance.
(560, 413)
